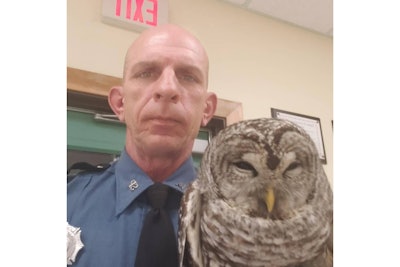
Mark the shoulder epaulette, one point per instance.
(80, 167)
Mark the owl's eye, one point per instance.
(293, 169)
(293, 166)
(243, 165)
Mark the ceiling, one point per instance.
(314, 15)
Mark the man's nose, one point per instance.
(167, 87)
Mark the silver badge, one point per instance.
(74, 243)
(133, 185)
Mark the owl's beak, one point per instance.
(270, 199)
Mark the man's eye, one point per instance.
(187, 78)
(144, 74)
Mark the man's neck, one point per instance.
(158, 168)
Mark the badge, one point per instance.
(74, 243)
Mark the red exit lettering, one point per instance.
(137, 9)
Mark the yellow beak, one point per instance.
(270, 199)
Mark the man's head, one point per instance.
(163, 100)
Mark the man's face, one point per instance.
(164, 91)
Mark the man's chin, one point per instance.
(164, 144)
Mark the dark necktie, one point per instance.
(157, 243)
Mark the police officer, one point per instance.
(163, 101)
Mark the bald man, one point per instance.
(163, 101)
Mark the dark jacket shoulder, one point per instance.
(84, 167)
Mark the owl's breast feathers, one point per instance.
(229, 236)
(220, 234)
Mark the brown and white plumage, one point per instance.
(261, 199)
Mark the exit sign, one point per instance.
(135, 15)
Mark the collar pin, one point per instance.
(133, 185)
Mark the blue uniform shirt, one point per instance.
(110, 213)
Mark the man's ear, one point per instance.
(210, 107)
(116, 102)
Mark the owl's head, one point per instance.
(264, 167)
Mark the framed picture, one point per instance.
(311, 125)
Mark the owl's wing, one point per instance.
(189, 228)
(329, 248)
(325, 259)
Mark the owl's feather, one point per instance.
(225, 217)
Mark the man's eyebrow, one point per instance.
(180, 66)
(190, 68)
(144, 64)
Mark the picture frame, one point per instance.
(312, 125)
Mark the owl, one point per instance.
(261, 199)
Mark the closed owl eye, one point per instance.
(294, 168)
(244, 165)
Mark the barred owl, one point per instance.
(261, 199)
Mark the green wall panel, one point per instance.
(84, 133)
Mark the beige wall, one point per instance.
(255, 60)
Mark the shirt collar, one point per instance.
(127, 172)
